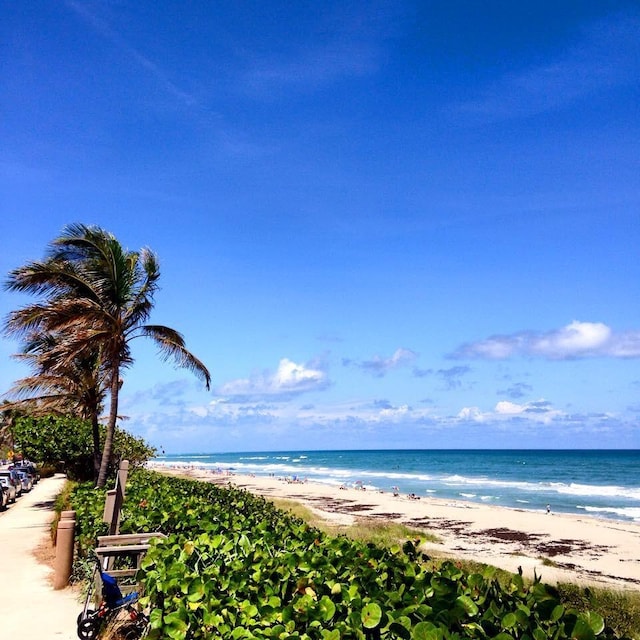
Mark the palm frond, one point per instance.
(172, 347)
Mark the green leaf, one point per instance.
(595, 621)
(196, 590)
(475, 580)
(582, 630)
(244, 543)
(509, 621)
(557, 613)
(470, 607)
(175, 625)
(155, 618)
(426, 631)
(326, 608)
(371, 616)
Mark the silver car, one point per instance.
(8, 488)
(13, 479)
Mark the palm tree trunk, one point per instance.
(95, 431)
(111, 425)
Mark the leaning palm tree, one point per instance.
(58, 385)
(97, 297)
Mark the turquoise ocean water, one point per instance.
(598, 483)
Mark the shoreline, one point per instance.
(559, 547)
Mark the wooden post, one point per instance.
(115, 498)
(65, 539)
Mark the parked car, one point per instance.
(29, 468)
(9, 487)
(4, 497)
(25, 480)
(13, 478)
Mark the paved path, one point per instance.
(29, 606)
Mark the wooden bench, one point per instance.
(131, 545)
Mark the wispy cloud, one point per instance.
(575, 340)
(103, 28)
(167, 394)
(379, 366)
(311, 69)
(452, 377)
(352, 45)
(516, 391)
(607, 54)
(288, 380)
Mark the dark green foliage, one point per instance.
(234, 566)
(65, 443)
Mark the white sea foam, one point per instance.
(468, 495)
(575, 489)
(596, 490)
(626, 512)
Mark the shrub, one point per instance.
(65, 444)
(234, 566)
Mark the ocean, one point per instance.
(604, 484)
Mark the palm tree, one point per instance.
(8, 414)
(59, 386)
(97, 299)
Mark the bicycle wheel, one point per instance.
(88, 627)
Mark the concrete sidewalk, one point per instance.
(29, 606)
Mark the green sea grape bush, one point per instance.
(233, 566)
(65, 443)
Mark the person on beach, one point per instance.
(548, 508)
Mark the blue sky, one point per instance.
(383, 224)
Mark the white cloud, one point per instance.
(471, 413)
(539, 411)
(287, 380)
(575, 340)
(394, 413)
(505, 407)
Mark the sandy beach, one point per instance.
(559, 547)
